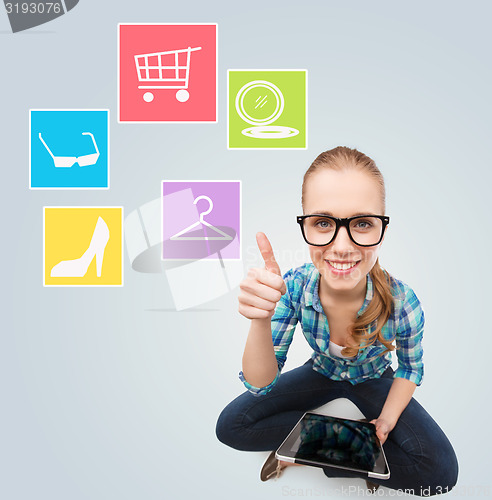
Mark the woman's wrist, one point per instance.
(397, 400)
(390, 420)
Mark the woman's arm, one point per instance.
(259, 295)
(410, 364)
(399, 396)
(259, 361)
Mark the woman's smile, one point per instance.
(342, 268)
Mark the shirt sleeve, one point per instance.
(283, 324)
(409, 340)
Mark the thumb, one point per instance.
(377, 425)
(267, 253)
(380, 430)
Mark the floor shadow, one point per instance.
(185, 310)
(27, 33)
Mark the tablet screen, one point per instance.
(323, 440)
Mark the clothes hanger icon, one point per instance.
(68, 161)
(224, 236)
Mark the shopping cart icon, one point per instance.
(165, 70)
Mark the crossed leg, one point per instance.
(420, 457)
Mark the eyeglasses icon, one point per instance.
(69, 161)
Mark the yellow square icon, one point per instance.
(83, 246)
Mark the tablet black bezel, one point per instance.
(284, 450)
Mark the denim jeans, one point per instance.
(419, 454)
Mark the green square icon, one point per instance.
(267, 109)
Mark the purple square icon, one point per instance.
(201, 220)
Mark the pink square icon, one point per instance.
(167, 73)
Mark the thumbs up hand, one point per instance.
(266, 251)
(263, 287)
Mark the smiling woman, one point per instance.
(348, 184)
(353, 314)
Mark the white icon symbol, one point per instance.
(77, 268)
(165, 72)
(262, 129)
(68, 161)
(224, 236)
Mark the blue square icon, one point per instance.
(69, 149)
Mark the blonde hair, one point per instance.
(367, 327)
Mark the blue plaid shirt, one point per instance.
(301, 304)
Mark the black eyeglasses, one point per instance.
(364, 230)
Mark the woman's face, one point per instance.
(343, 194)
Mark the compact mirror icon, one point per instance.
(261, 103)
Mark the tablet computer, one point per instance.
(324, 441)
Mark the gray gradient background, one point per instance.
(92, 379)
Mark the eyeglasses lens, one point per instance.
(364, 230)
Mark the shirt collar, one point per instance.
(312, 292)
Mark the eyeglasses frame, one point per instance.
(343, 222)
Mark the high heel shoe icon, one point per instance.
(77, 268)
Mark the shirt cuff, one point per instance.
(413, 376)
(259, 391)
